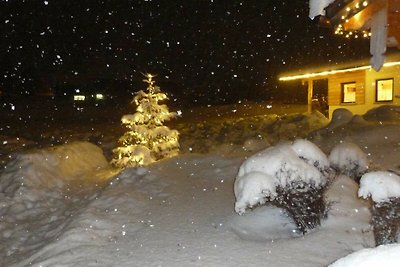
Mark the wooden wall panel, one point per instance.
(335, 83)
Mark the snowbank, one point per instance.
(387, 256)
(380, 186)
(40, 190)
(50, 168)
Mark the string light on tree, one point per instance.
(147, 139)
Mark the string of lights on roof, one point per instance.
(350, 11)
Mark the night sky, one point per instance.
(213, 51)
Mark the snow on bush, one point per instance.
(348, 159)
(384, 189)
(283, 163)
(287, 174)
(387, 256)
(253, 189)
(380, 186)
(340, 117)
(311, 154)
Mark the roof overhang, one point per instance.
(378, 20)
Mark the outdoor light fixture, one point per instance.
(79, 98)
(99, 96)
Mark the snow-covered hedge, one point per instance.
(381, 186)
(348, 159)
(384, 189)
(292, 176)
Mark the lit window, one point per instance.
(79, 98)
(99, 96)
(349, 92)
(384, 90)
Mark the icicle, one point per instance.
(378, 39)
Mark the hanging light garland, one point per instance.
(339, 30)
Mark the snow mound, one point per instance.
(282, 165)
(383, 113)
(253, 226)
(41, 190)
(386, 255)
(348, 159)
(380, 186)
(50, 168)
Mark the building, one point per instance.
(378, 20)
(355, 86)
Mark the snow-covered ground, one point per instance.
(65, 206)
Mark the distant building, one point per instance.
(355, 86)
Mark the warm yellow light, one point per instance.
(99, 96)
(343, 17)
(79, 98)
(358, 5)
(331, 72)
(365, 3)
(348, 9)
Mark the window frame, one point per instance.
(377, 88)
(342, 87)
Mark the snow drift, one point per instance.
(40, 189)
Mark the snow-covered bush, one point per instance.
(384, 189)
(147, 139)
(253, 189)
(291, 176)
(387, 256)
(348, 159)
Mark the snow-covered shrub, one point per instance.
(253, 189)
(384, 189)
(348, 159)
(387, 256)
(311, 154)
(147, 139)
(340, 117)
(291, 176)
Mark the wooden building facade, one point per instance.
(355, 87)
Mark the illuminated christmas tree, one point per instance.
(147, 139)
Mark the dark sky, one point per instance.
(213, 50)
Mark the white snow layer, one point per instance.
(280, 165)
(380, 186)
(385, 256)
(348, 159)
(176, 212)
(42, 189)
(317, 7)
